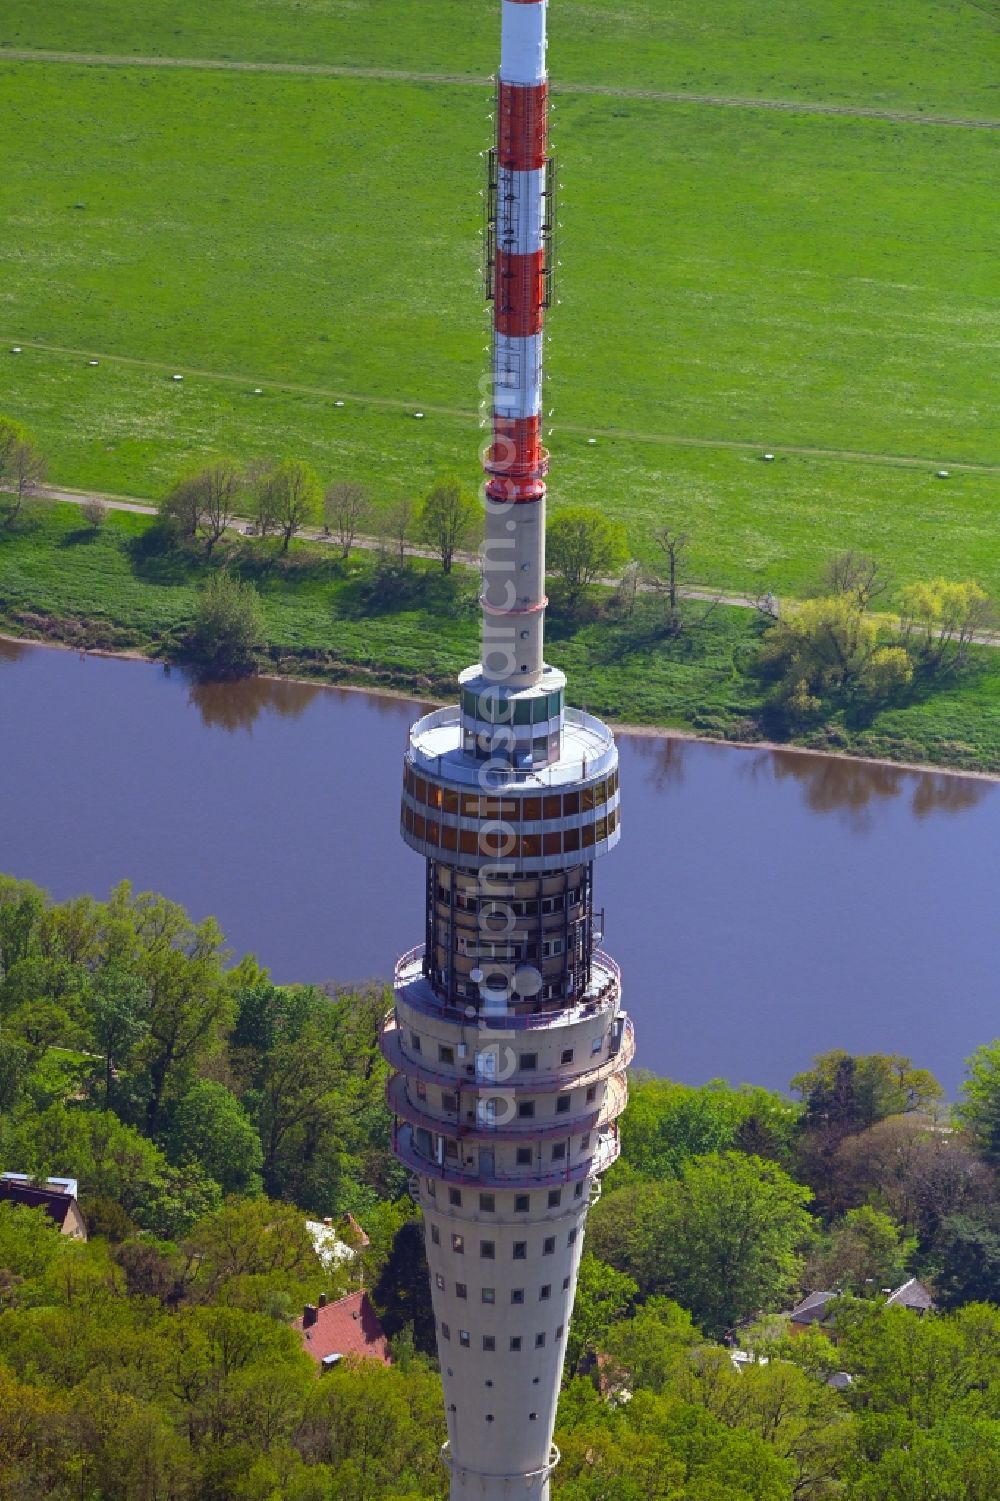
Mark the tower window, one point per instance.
(539, 1340)
(521, 1250)
(567, 1055)
(515, 1343)
(487, 1203)
(455, 1196)
(559, 1151)
(522, 1202)
(532, 1417)
(544, 1292)
(517, 1295)
(571, 1238)
(445, 1332)
(529, 1061)
(591, 1094)
(487, 1249)
(445, 1054)
(524, 1156)
(435, 1235)
(563, 1103)
(526, 1109)
(439, 1280)
(549, 1246)
(584, 1144)
(489, 1295)
(461, 1291)
(489, 1342)
(449, 1102)
(489, 1417)
(464, 1338)
(559, 1332)
(414, 1042)
(458, 1244)
(565, 1284)
(555, 1197)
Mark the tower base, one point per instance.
(471, 1485)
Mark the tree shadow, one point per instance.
(80, 536)
(234, 704)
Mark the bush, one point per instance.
(228, 627)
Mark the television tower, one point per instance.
(507, 1041)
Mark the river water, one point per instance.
(764, 905)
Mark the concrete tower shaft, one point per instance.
(507, 1041)
(519, 226)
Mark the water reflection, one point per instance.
(841, 784)
(238, 705)
(665, 755)
(11, 651)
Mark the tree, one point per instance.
(603, 1297)
(95, 513)
(673, 544)
(856, 575)
(582, 545)
(446, 519)
(182, 507)
(666, 1123)
(22, 466)
(209, 1126)
(949, 613)
(628, 588)
(228, 629)
(220, 484)
(865, 1252)
(293, 498)
(119, 1007)
(829, 649)
(724, 1239)
(979, 1109)
(853, 1091)
(346, 507)
(399, 524)
(917, 1171)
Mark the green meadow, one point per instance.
(929, 56)
(731, 280)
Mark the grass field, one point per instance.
(924, 55)
(58, 580)
(728, 276)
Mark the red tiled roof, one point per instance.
(348, 1327)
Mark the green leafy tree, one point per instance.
(603, 1297)
(652, 1347)
(947, 614)
(209, 1126)
(666, 1123)
(979, 1109)
(447, 519)
(228, 629)
(828, 650)
(864, 1252)
(22, 467)
(967, 1257)
(725, 1238)
(293, 499)
(119, 1006)
(582, 545)
(856, 1090)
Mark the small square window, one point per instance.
(489, 1417)
(539, 1340)
(455, 1196)
(458, 1244)
(432, 1188)
(487, 1203)
(559, 1332)
(522, 1203)
(532, 1417)
(549, 1246)
(524, 1156)
(487, 1249)
(445, 1332)
(525, 1109)
(414, 1042)
(584, 1144)
(515, 1342)
(489, 1342)
(544, 1292)
(439, 1280)
(591, 1094)
(596, 1045)
(565, 1284)
(421, 1090)
(571, 1238)
(521, 1250)
(463, 1338)
(449, 1101)
(567, 1055)
(563, 1103)
(517, 1295)
(559, 1151)
(445, 1054)
(489, 1294)
(529, 1060)
(578, 1191)
(435, 1235)
(461, 1291)
(555, 1197)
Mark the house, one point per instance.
(813, 1312)
(912, 1295)
(57, 1196)
(348, 1327)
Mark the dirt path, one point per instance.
(399, 75)
(372, 544)
(400, 404)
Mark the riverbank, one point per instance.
(344, 622)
